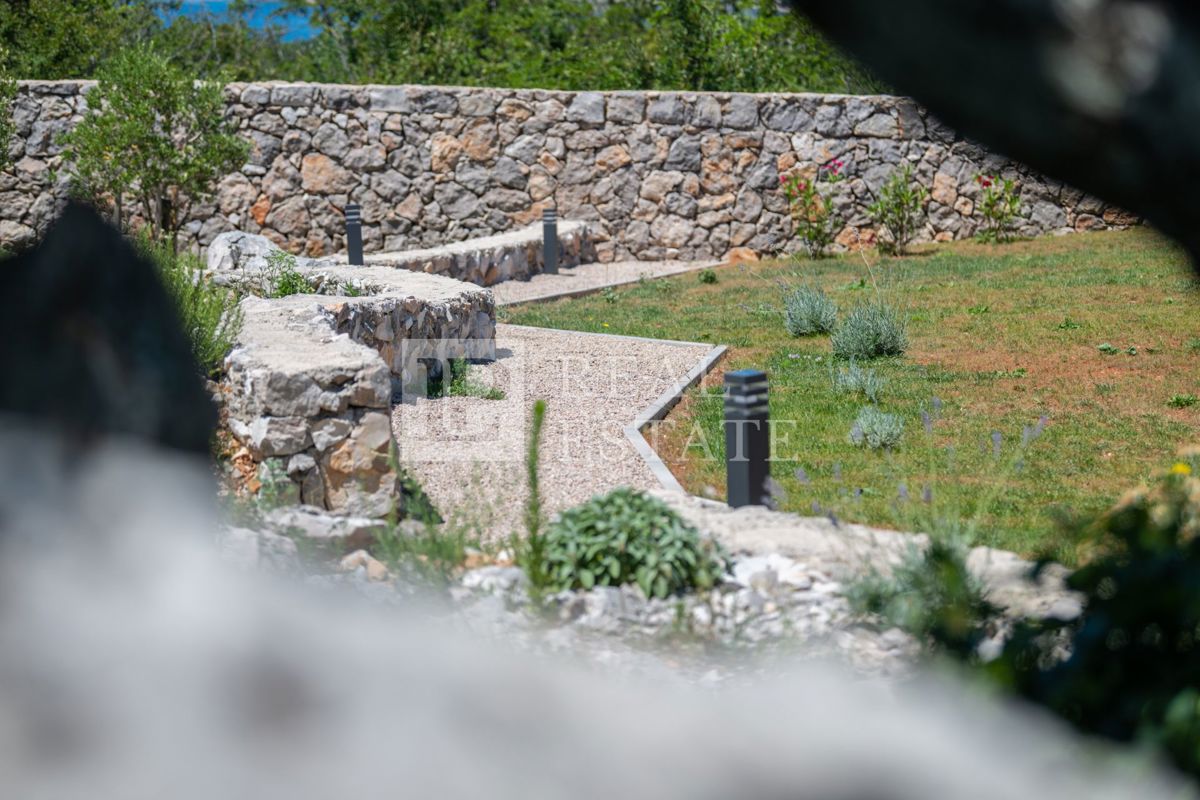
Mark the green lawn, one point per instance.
(1001, 335)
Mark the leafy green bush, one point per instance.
(808, 311)
(810, 201)
(876, 430)
(708, 276)
(1126, 667)
(627, 536)
(208, 312)
(999, 205)
(857, 380)
(280, 278)
(1183, 400)
(154, 134)
(871, 331)
(1132, 673)
(898, 210)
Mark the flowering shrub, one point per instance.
(999, 205)
(898, 210)
(815, 221)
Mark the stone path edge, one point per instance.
(658, 410)
(569, 293)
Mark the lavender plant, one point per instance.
(871, 331)
(809, 311)
(859, 381)
(876, 430)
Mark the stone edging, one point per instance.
(658, 410)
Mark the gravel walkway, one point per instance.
(468, 452)
(589, 278)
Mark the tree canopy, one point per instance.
(715, 45)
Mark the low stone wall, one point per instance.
(309, 384)
(655, 174)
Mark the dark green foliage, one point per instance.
(708, 276)
(456, 380)
(8, 90)
(1128, 668)
(627, 536)
(932, 595)
(1134, 666)
(809, 311)
(154, 137)
(871, 331)
(207, 311)
(53, 39)
(531, 553)
(743, 45)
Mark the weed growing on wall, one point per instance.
(281, 278)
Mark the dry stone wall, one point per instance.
(658, 175)
(308, 387)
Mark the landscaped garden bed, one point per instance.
(1040, 377)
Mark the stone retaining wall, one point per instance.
(309, 385)
(659, 175)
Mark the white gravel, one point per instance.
(468, 453)
(589, 278)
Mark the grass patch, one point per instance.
(994, 372)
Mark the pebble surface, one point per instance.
(468, 453)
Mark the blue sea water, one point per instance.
(261, 14)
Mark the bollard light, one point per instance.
(747, 439)
(549, 241)
(354, 246)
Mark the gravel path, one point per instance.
(589, 278)
(468, 452)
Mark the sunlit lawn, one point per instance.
(1000, 334)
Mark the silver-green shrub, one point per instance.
(808, 311)
(870, 331)
(859, 380)
(876, 430)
